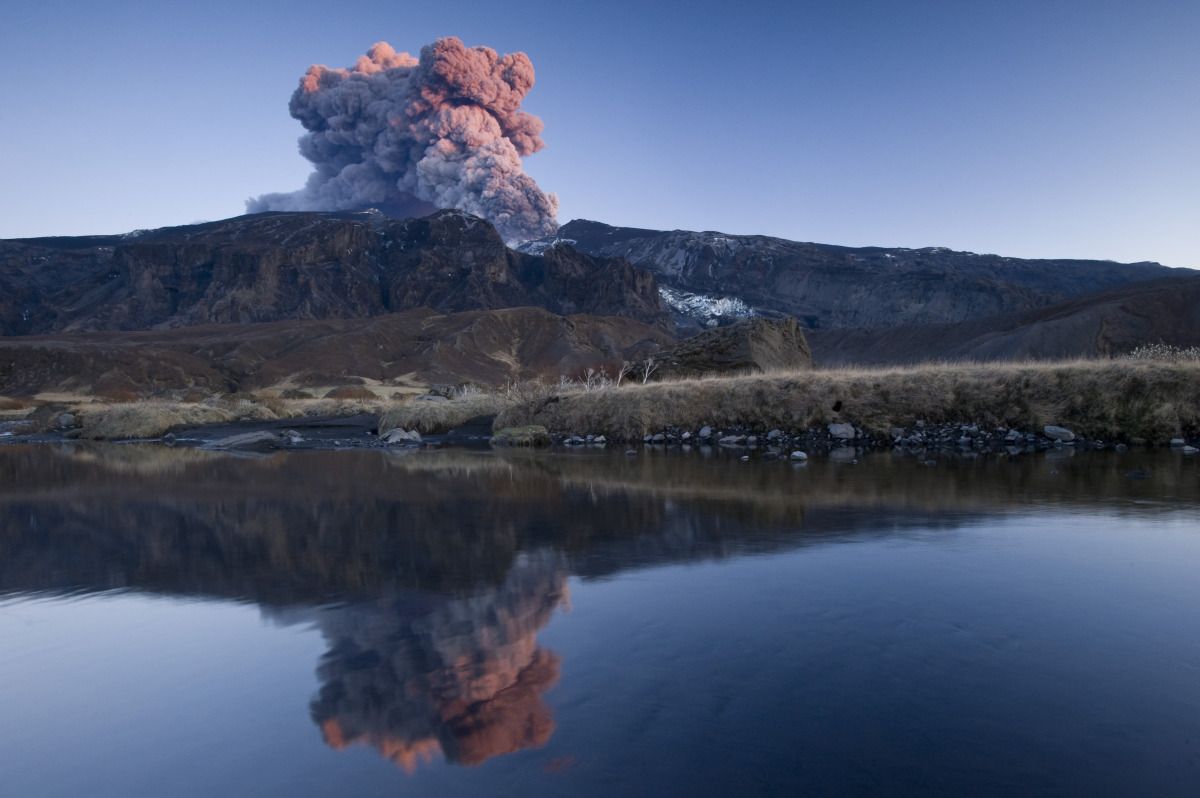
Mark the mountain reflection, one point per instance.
(430, 575)
(462, 677)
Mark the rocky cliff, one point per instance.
(274, 266)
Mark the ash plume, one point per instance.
(410, 136)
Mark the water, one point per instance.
(185, 623)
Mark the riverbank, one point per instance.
(1096, 403)
(1117, 401)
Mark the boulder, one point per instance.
(842, 431)
(1056, 433)
(799, 457)
(401, 436)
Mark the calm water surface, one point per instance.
(183, 623)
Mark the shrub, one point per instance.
(1166, 353)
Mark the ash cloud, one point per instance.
(409, 136)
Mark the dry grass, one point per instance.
(154, 418)
(9, 405)
(433, 417)
(145, 419)
(1110, 399)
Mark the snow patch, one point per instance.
(709, 310)
(539, 246)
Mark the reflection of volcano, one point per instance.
(415, 676)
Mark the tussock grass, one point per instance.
(1109, 399)
(9, 405)
(433, 417)
(153, 419)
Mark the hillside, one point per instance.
(1105, 323)
(485, 347)
(829, 286)
(318, 299)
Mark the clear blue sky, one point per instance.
(1040, 129)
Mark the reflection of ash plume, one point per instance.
(416, 676)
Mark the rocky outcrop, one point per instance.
(838, 287)
(748, 347)
(276, 266)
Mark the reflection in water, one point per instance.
(441, 568)
(418, 675)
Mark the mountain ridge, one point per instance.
(829, 285)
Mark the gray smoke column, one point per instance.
(409, 136)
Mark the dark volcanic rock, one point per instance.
(751, 346)
(274, 266)
(830, 286)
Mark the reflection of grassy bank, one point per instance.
(1113, 400)
(306, 526)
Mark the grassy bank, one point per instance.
(96, 419)
(1109, 399)
(433, 417)
(1113, 400)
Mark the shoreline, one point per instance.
(1008, 407)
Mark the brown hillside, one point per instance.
(479, 346)
(1110, 322)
